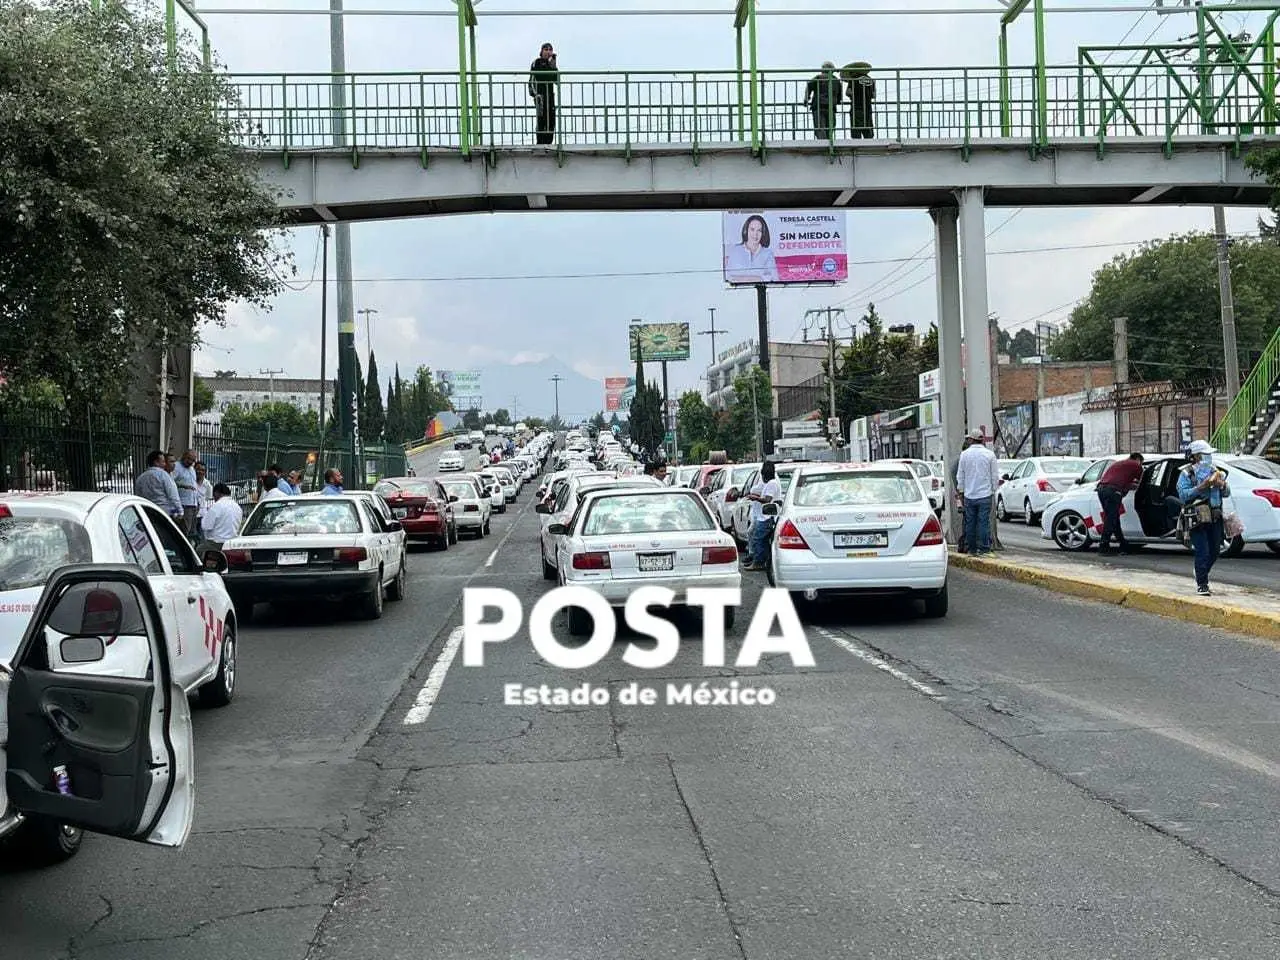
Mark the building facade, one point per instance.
(252, 392)
(790, 365)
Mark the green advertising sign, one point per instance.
(660, 341)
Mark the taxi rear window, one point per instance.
(871, 487)
(298, 516)
(31, 548)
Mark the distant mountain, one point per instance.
(526, 390)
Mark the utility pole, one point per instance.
(712, 331)
(271, 376)
(324, 338)
(1120, 356)
(762, 333)
(829, 313)
(348, 404)
(1229, 352)
(367, 312)
(556, 380)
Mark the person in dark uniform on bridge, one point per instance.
(862, 93)
(543, 77)
(823, 96)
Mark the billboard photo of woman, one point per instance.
(751, 260)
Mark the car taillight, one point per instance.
(1271, 496)
(5, 513)
(789, 537)
(350, 554)
(931, 534)
(1044, 486)
(431, 508)
(596, 560)
(713, 555)
(238, 558)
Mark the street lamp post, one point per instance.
(556, 380)
(367, 312)
(711, 331)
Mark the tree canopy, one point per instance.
(128, 215)
(1168, 290)
(880, 371)
(280, 415)
(645, 416)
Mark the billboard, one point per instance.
(461, 388)
(784, 246)
(660, 341)
(618, 392)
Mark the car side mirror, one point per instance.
(705, 491)
(1006, 477)
(557, 529)
(1079, 480)
(453, 498)
(769, 510)
(394, 526)
(542, 508)
(82, 649)
(215, 561)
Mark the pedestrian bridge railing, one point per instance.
(1155, 98)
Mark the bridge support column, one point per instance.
(973, 265)
(946, 251)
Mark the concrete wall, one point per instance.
(1099, 426)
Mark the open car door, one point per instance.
(103, 744)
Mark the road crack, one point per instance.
(721, 899)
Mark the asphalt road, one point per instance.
(1257, 567)
(1080, 782)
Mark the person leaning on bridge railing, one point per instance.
(822, 96)
(544, 74)
(862, 94)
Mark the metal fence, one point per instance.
(63, 450)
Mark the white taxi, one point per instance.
(470, 502)
(489, 481)
(621, 538)
(323, 547)
(40, 532)
(85, 746)
(451, 461)
(566, 496)
(849, 529)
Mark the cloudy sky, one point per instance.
(435, 281)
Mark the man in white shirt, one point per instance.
(977, 477)
(765, 490)
(222, 519)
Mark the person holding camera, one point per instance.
(543, 77)
(1201, 487)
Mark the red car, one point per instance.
(422, 507)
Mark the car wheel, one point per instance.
(221, 690)
(578, 621)
(41, 842)
(1069, 531)
(936, 606)
(397, 589)
(1027, 514)
(371, 605)
(1273, 546)
(1232, 547)
(453, 533)
(1001, 513)
(443, 541)
(548, 571)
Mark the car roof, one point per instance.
(858, 467)
(71, 505)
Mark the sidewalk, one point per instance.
(1245, 610)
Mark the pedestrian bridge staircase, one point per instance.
(1252, 424)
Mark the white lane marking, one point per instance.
(506, 536)
(492, 557)
(879, 664)
(426, 698)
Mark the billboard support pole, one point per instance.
(762, 321)
(666, 411)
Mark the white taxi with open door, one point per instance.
(84, 751)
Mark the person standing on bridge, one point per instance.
(822, 96)
(862, 94)
(544, 75)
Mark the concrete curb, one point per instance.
(1208, 612)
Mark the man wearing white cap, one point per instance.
(977, 476)
(1202, 485)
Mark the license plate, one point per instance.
(650, 562)
(861, 539)
(400, 512)
(291, 559)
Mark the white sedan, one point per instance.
(1036, 483)
(489, 481)
(451, 461)
(40, 532)
(321, 547)
(470, 504)
(621, 539)
(849, 529)
(568, 495)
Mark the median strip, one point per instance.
(1233, 609)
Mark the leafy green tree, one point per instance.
(501, 417)
(471, 419)
(880, 371)
(646, 422)
(741, 426)
(597, 421)
(282, 417)
(203, 399)
(129, 215)
(697, 425)
(373, 418)
(1169, 292)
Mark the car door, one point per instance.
(200, 626)
(376, 538)
(107, 754)
(138, 545)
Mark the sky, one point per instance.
(481, 290)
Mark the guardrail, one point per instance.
(1254, 393)
(1157, 97)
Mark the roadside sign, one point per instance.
(833, 426)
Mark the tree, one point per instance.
(129, 215)
(1169, 292)
(203, 399)
(282, 417)
(880, 371)
(501, 417)
(697, 425)
(597, 421)
(740, 426)
(373, 419)
(646, 418)
(471, 419)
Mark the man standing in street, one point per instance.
(156, 484)
(1116, 481)
(332, 482)
(222, 520)
(544, 74)
(962, 542)
(765, 490)
(977, 477)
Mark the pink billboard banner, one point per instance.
(784, 246)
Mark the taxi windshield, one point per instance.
(296, 517)
(671, 513)
(835, 489)
(462, 489)
(31, 548)
(404, 488)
